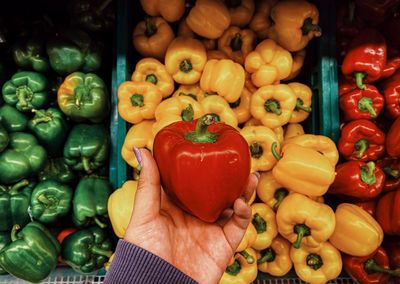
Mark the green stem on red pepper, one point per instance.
(359, 79)
(371, 266)
(201, 134)
(301, 230)
(361, 146)
(366, 105)
(368, 173)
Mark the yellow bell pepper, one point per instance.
(356, 233)
(237, 43)
(298, 62)
(277, 130)
(241, 12)
(270, 191)
(292, 130)
(317, 266)
(260, 140)
(140, 136)
(279, 133)
(242, 268)
(303, 103)
(253, 122)
(180, 108)
(218, 106)
(273, 105)
(304, 170)
(295, 24)
(303, 221)
(120, 206)
(248, 83)
(216, 54)
(185, 31)
(224, 77)
(248, 239)
(268, 63)
(194, 91)
(153, 71)
(137, 101)
(209, 18)
(170, 10)
(108, 263)
(275, 259)
(152, 37)
(261, 21)
(185, 60)
(241, 107)
(322, 144)
(265, 223)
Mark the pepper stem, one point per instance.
(99, 223)
(274, 152)
(187, 113)
(279, 195)
(235, 104)
(100, 251)
(14, 232)
(86, 164)
(185, 66)
(201, 134)
(361, 146)
(273, 106)
(43, 199)
(137, 100)
(366, 105)
(40, 116)
(371, 266)
(247, 256)
(308, 26)
(16, 187)
(79, 92)
(259, 223)
(256, 150)
(302, 231)
(234, 268)
(359, 79)
(236, 42)
(24, 94)
(391, 172)
(151, 29)
(300, 106)
(368, 173)
(152, 79)
(267, 255)
(314, 261)
(189, 95)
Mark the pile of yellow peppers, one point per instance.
(233, 60)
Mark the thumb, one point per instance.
(148, 194)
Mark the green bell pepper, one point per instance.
(83, 97)
(56, 169)
(87, 147)
(4, 138)
(5, 240)
(50, 200)
(73, 50)
(89, 205)
(51, 129)
(32, 254)
(86, 250)
(12, 119)
(14, 204)
(31, 54)
(26, 90)
(22, 158)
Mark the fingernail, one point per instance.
(138, 155)
(257, 174)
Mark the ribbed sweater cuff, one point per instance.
(132, 264)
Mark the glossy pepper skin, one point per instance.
(387, 212)
(293, 130)
(86, 250)
(358, 180)
(390, 89)
(264, 221)
(361, 140)
(248, 239)
(28, 245)
(12, 119)
(211, 149)
(51, 129)
(73, 50)
(261, 22)
(393, 139)
(220, 109)
(4, 138)
(22, 158)
(14, 200)
(361, 104)
(90, 202)
(83, 97)
(171, 11)
(373, 268)
(26, 90)
(56, 169)
(356, 231)
(270, 191)
(365, 58)
(193, 91)
(275, 260)
(87, 147)
(30, 54)
(241, 269)
(303, 102)
(50, 200)
(241, 11)
(303, 221)
(392, 65)
(369, 206)
(391, 167)
(5, 240)
(241, 107)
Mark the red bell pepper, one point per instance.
(366, 58)
(390, 89)
(374, 12)
(392, 65)
(391, 167)
(204, 166)
(369, 206)
(392, 246)
(388, 212)
(393, 139)
(361, 104)
(361, 140)
(370, 269)
(345, 86)
(357, 180)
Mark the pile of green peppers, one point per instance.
(55, 146)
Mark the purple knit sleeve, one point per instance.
(132, 264)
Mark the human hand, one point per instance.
(199, 249)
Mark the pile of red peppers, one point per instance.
(368, 45)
